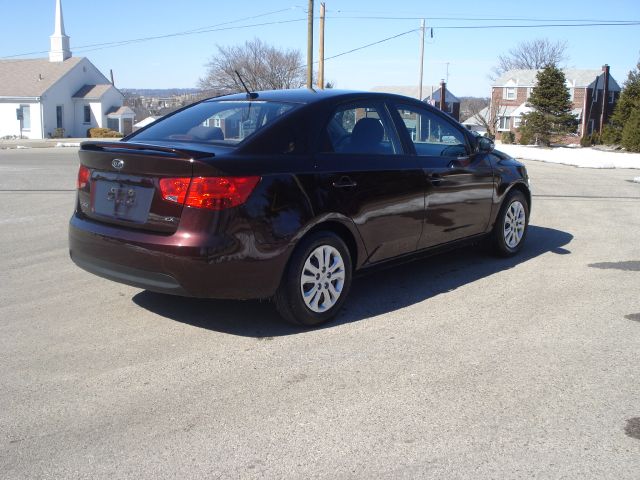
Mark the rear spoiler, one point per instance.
(129, 147)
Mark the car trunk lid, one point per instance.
(123, 183)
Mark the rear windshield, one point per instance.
(221, 122)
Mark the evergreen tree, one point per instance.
(628, 102)
(551, 102)
(631, 132)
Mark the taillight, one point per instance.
(211, 193)
(83, 177)
(174, 189)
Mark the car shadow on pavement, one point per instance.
(373, 294)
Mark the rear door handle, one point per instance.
(344, 182)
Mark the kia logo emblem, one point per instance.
(117, 163)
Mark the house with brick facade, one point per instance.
(593, 93)
(437, 95)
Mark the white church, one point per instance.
(59, 96)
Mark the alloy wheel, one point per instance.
(322, 278)
(514, 224)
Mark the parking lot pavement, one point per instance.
(460, 366)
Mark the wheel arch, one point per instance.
(504, 192)
(350, 238)
(521, 187)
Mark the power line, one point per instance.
(207, 29)
(158, 37)
(480, 27)
(482, 19)
(373, 43)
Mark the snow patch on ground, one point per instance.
(68, 144)
(636, 179)
(578, 157)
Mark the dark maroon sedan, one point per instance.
(285, 194)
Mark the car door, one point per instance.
(459, 182)
(363, 174)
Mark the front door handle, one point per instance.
(344, 182)
(435, 179)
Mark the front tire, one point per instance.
(511, 225)
(316, 281)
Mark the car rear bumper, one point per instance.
(233, 267)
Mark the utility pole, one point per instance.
(321, 53)
(310, 45)
(421, 58)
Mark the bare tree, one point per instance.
(261, 66)
(471, 105)
(487, 116)
(533, 54)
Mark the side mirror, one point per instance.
(485, 145)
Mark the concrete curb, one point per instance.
(48, 143)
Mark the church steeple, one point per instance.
(59, 50)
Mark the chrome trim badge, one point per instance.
(117, 163)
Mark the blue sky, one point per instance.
(179, 61)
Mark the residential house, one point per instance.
(60, 95)
(431, 94)
(594, 94)
(478, 122)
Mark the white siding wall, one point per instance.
(84, 73)
(82, 127)
(9, 125)
(111, 98)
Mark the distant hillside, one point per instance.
(158, 92)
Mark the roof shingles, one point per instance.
(32, 77)
(92, 92)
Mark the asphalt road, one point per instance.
(461, 366)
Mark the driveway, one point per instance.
(460, 366)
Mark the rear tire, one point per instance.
(510, 229)
(316, 281)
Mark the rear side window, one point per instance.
(432, 135)
(222, 122)
(359, 129)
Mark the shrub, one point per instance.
(611, 135)
(508, 137)
(58, 133)
(102, 133)
(526, 136)
(631, 132)
(590, 140)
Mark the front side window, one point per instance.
(221, 122)
(432, 135)
(358, 129)
(87, 114)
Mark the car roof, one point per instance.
(308, 95)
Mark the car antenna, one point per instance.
(250, 95)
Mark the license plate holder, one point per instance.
(122, 201)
